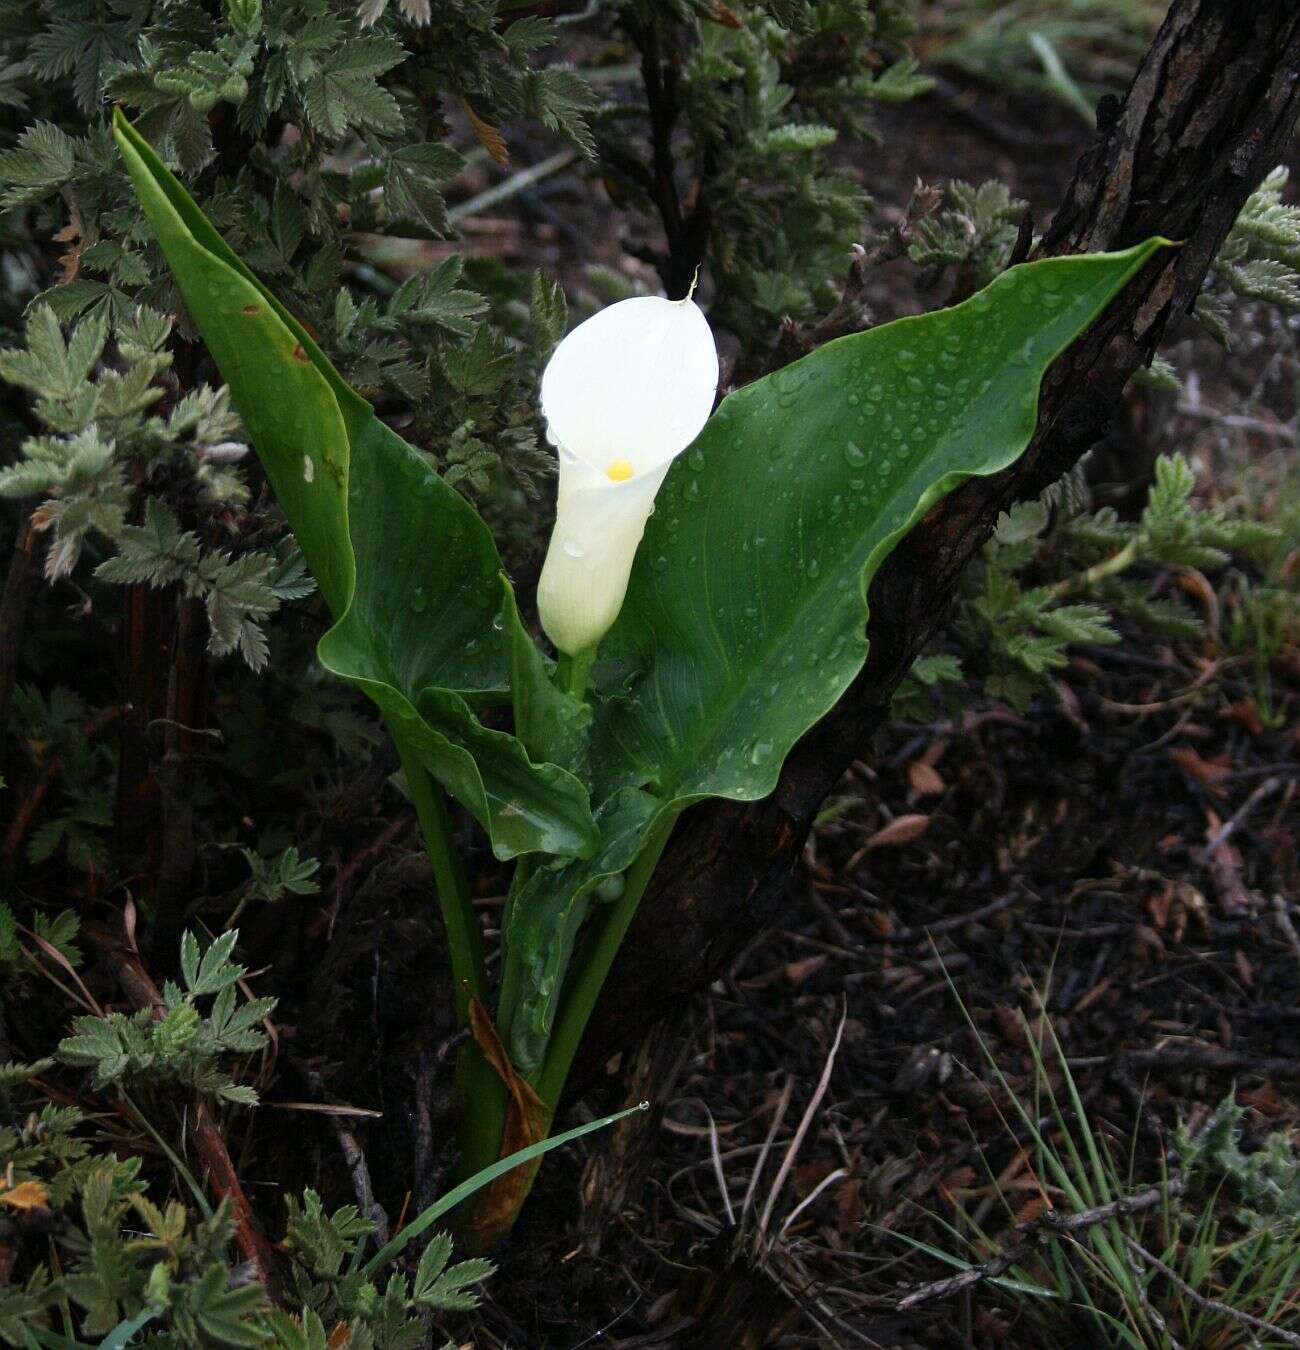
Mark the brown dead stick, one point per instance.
(1049, 1225)
(121, 957)
(1208, 115)
(1217, 1061)
(1212, 1304)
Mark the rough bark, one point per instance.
(1208, 115)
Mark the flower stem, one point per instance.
(591, 964)
(571, 672)
(483, 1121)
(1108, 567)
(464, 937)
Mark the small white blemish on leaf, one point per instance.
(308, 469)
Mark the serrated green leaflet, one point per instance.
(406, 565)
(745, 618)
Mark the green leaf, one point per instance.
(746, 612)
(411, 176)
(427, 1218)
(43, 159)
(547, 313)
(745, 617)
(280, 381)
(419, 639)
(408, 568)
(552, 724)
(549, 910)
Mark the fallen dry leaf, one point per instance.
(1210, 775)
(26, 1195)
(492, 139)
(924, 779)
(900, 830)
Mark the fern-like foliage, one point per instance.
(975, 232)
(1259, 260)
(1265, 1181)
(760, 93)
(1048, 582)
(180, 1044)
(107, 442)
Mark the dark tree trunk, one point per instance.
(1208, 114)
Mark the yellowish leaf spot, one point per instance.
(26, 1195)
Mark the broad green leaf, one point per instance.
(745, 617)
(552, 724)
(407, 566)
(550, 908)
(276, 373)
(424, 631)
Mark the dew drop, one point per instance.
(308, 469)
(854, 455)
(814, 568)
(574, 549)
(610, 888)
(418, 599)
(695, 461)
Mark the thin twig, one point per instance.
(355, 1158)
(512, 186)
(1157, 1317)
(1201, 1057)
(1211, 1304)
(20, 581)
(1285, 924)
(924, 930)
(1225, 831)
(1051, 1223)
(806, 1120)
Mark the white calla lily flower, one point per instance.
(623, 395)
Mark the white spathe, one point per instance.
(623, 395)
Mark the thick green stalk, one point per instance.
(476, 1082)
(592, 962)
(571, 672)
(464, 937)
(511, 966)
